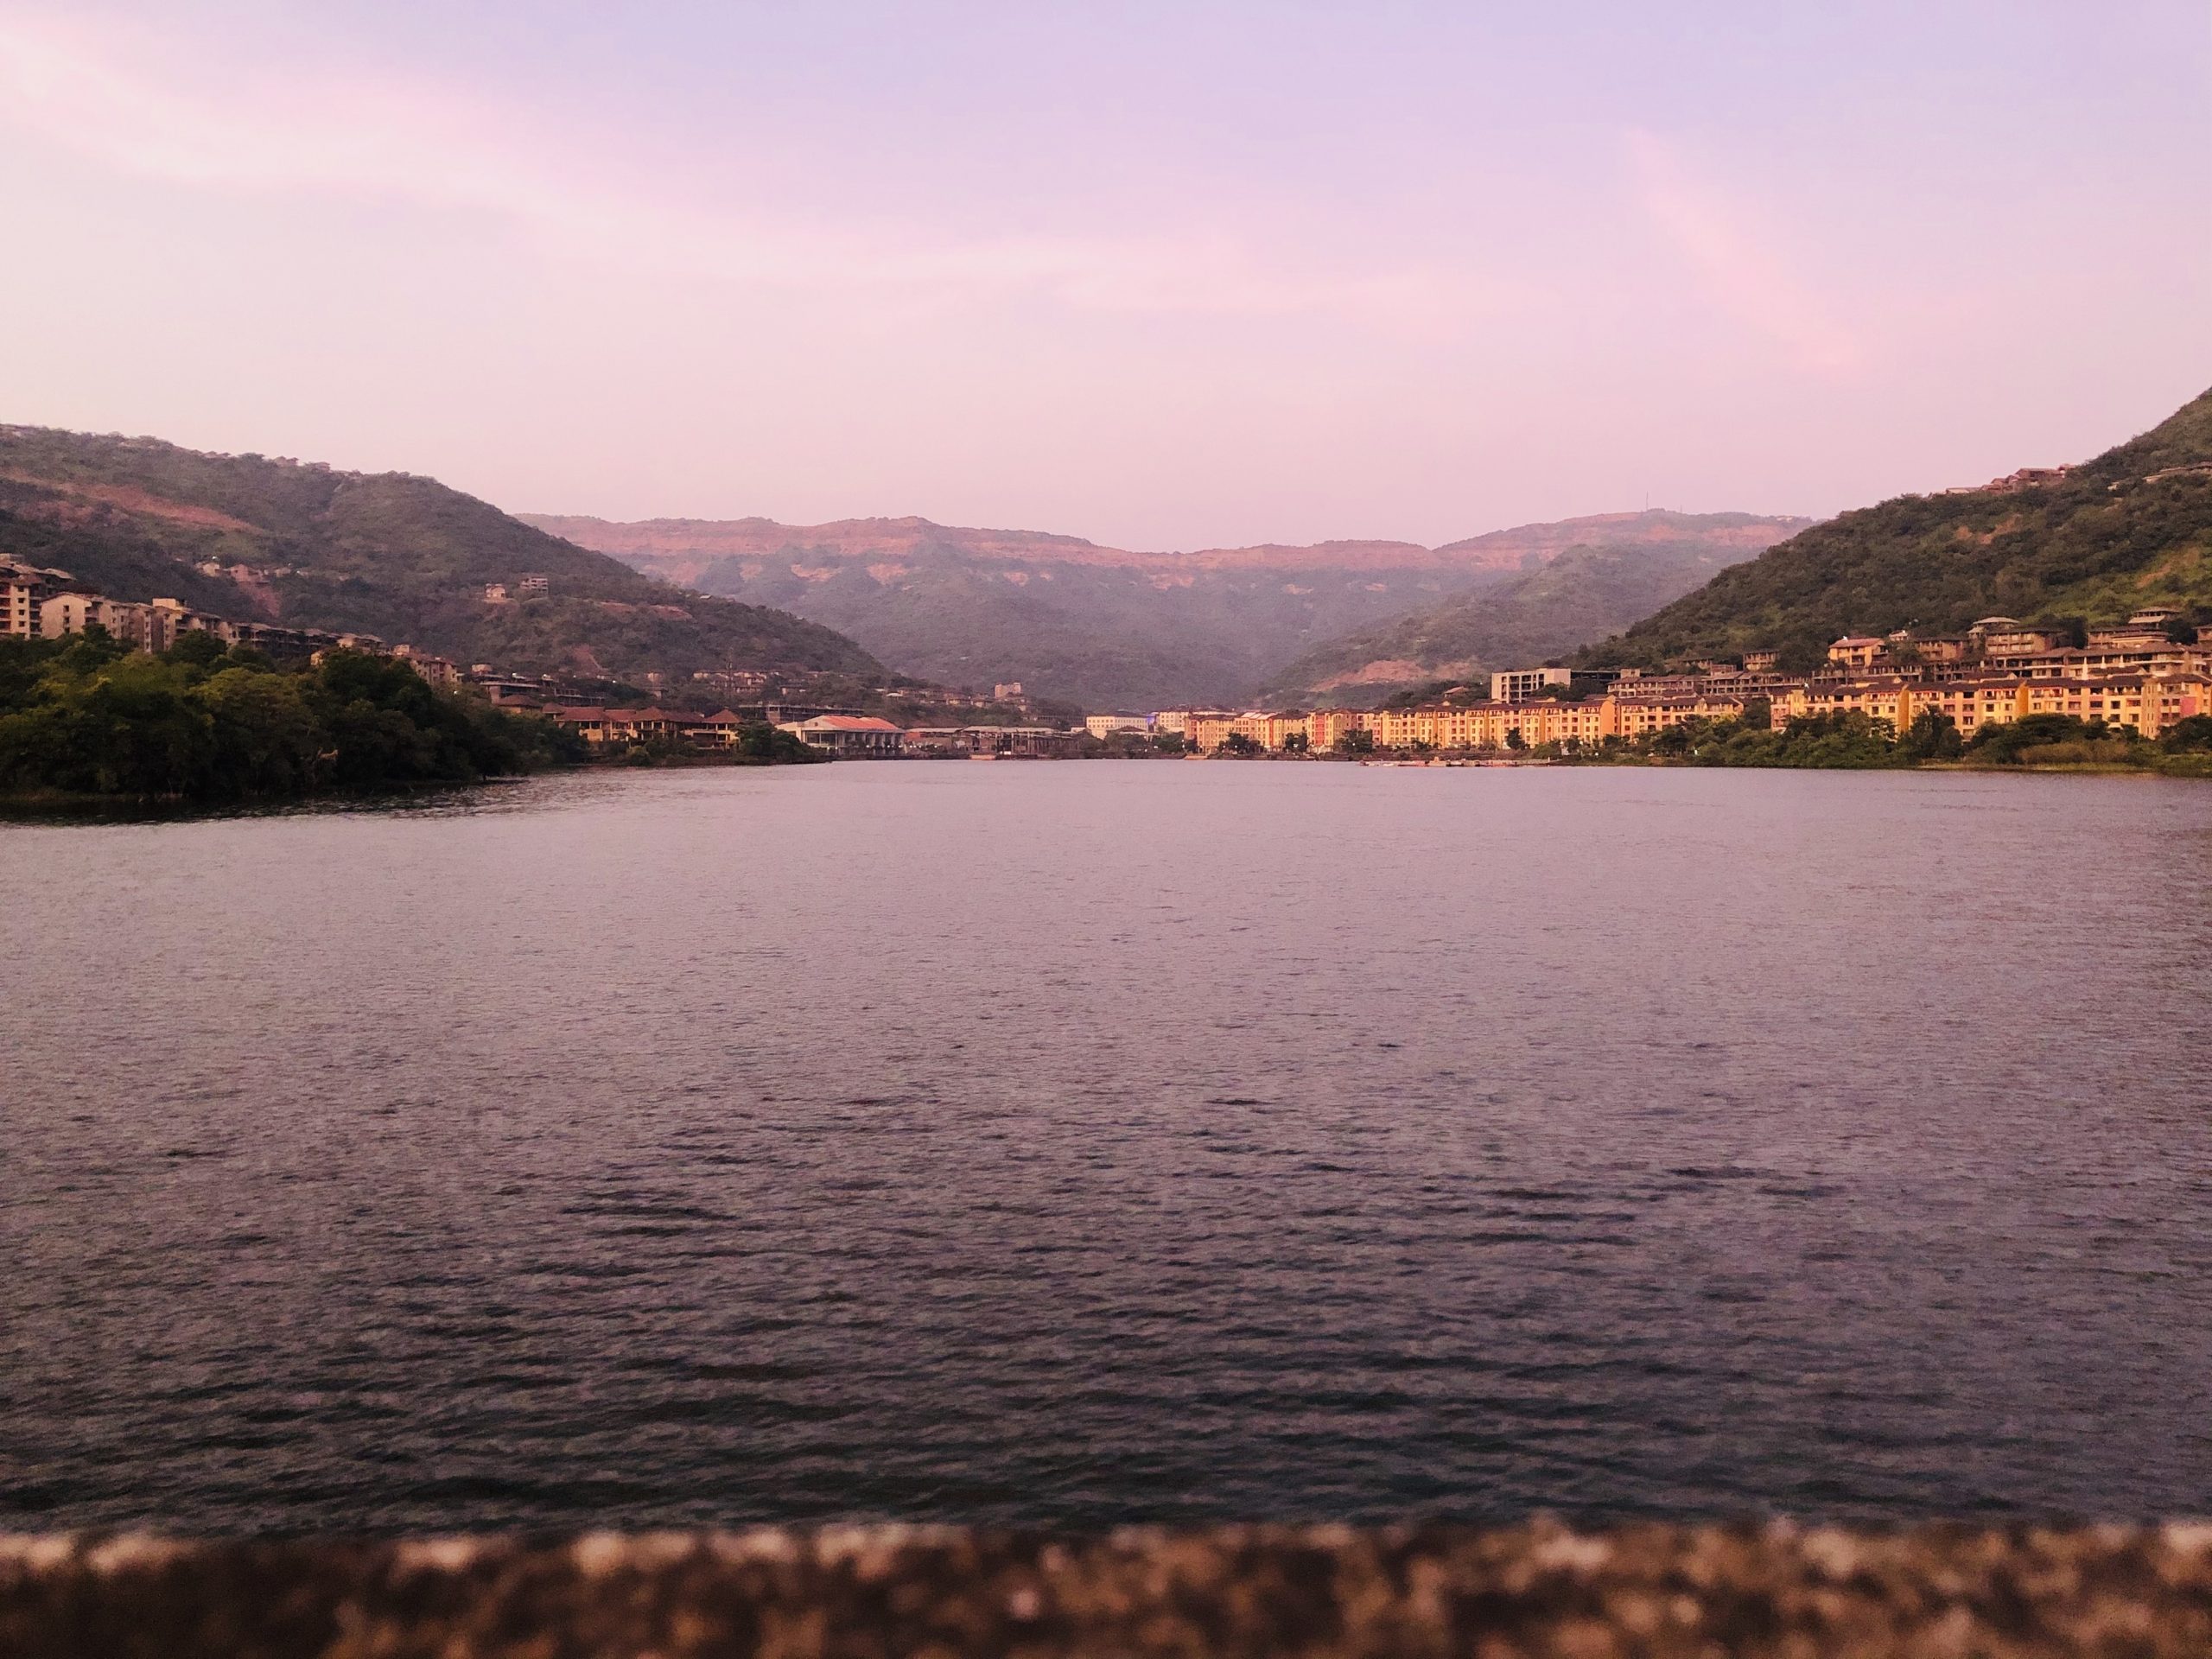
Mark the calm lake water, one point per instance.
(1077, 1143)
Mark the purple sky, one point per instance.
(1164, 275)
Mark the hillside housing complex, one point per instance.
(2134, 675)
(2147, 674)
(42, 604)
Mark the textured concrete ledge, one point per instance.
(1531, 1590)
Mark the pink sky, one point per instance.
(1165, 276)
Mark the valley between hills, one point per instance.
(1106, 627)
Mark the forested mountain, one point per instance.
(1100, 626)
(390, 554)
(1587, 592)
(2130, 529)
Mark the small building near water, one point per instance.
(849, 737)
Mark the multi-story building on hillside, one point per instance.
(1857, 651)
(23, 588)
(154, 625)
(63, 614)
(1519, 685)
(1722, 682)
(441, 671)
(2003, 644)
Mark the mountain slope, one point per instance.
(2105, 538)
(390, 554)
(1589, 591)
(1101, 626)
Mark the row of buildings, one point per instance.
(1459, 726)
(36, 604)
(2148, 703)
(2138, 674)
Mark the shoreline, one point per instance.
(58, 806)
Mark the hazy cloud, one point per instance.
(1738, 265)
(143, 105)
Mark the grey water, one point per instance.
(1072, 1144)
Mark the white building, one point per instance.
(851, 737)
(1519, 685)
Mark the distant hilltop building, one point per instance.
(1007, 691)
(495, 593)
(534, 588)
(2011, 483)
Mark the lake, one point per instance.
(1070, 1144)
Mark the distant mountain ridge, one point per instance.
(391, 554)
(2129, 528)
(1102, 626)
(1589, 591)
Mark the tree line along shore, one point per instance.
(88, 717)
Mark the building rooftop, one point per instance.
(847, 723)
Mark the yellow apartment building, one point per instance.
(1857, 651)
(1269, 731)
(1634, 717)
(1459, 728)
(1205, 730)
(2150, 704)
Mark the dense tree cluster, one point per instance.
(87, 716)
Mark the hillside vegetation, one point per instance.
(1106, 626)
(390, 554)
(2105, 539)
(1584, 593)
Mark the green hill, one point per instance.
(2108, 538)
(1587, 592)
(390, 554)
